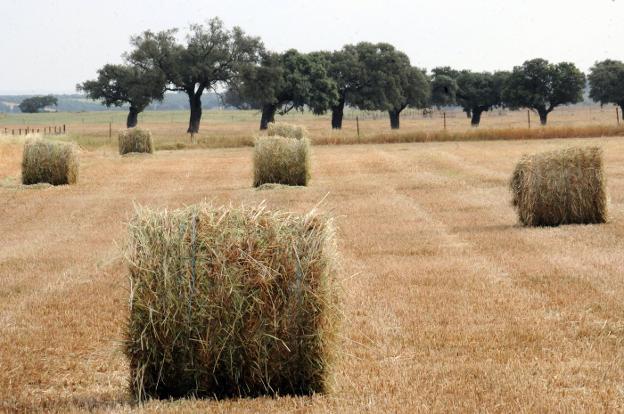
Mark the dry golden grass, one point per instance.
(135, 140)
(229, 301)
(565, 186)
(450, 305)
(280, 160)
(227, 129)
(282, 129)
(46, 161)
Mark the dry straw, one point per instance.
(560, 187)
(50, 162)
(135, 140)
(283, 129)
(230, 302)
(279, 160)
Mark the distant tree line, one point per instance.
(77, 103)
(36, 104)
(367, 76)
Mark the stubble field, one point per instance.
(449, 305)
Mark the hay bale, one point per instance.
(49, 162)
(230, 302)
(560, 187)
(282, 129)
(135, 140)
(279, 160)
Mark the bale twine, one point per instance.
(560, 187)
(283, 129)
(280, 160)
(230, 302)
(135, 140)
(49, 162)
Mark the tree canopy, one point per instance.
(475, 92)
(542, 86)
(283, 82)
(117, 85)
(444, 86)
(606, 82)
(388, 82)
(368, 76)
(212, 57)
(345, 68)
(37, 103)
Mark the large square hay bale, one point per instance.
(280, 160)
(230, 302)
(560, 187)
(50, 162)
(282, 129)
(135, 140)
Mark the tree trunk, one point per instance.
(468, 113)
(337, 114)
(196, 111)
(543, 115)
(394, 118)
(133, 117)
(476, 117)
(268, 115)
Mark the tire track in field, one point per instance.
(586, 313)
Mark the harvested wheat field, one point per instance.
(449, 303)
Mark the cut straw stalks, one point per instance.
(135, 140)
(282, 129)
(230, 302)
(560, 187)
(43, 161)
(280, 160)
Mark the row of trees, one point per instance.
(368, 76)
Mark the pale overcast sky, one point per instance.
(47, 46)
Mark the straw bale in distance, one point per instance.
(283, 129)
(230, 302)
(560, 187)
(280, 160)
(135, 140)
(50, 162)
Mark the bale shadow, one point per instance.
(492, 228)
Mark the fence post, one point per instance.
(357, 124)
(444, 115)
(110, 131)
(617, 115)
(529, 117)
(63, 128)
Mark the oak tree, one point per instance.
(606, 83)
(118, 85)
(542, 86)
(211, 58)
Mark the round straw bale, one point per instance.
(230, 302)
(560, 187)
(135, 140)
(50, 162)
(282, 129)
(280, 160)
